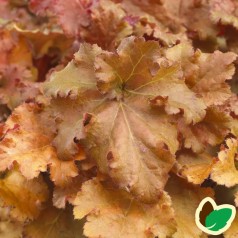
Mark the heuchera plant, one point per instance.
(117, 117)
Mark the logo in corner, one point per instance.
(213, 219)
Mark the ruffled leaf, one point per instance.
(54, 223)
(25, 198)
(185, 200)
(224, 172)
(111, 212)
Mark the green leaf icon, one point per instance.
(218, 219)
(214, 219)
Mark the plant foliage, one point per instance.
(116, 117)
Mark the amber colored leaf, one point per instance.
(147, 26)
(127, 121)
(113, 213)
(187, 16)
(214, 128)
(134, 69)
(194, 16)
(61, 172)
(154, 11)
(130, 142)
(8, 227)
(210, 131)
(130, 65)
(224, 171)
(17, 72)
(67, 193)
(54, 223)
(25, 143)
(185, 200)
(77, 77)
(20, 53)
(67, 120)
(234, 127)
(212, 83)
(202, 74)
(126, 133)
(108, 25)
(14, 48)
(28, 142)
(195, 167)
(43, 42)
(176, 97)
(10, 230)
(230, 107)
(25, 197)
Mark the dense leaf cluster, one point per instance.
(117, 117)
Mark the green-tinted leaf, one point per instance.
(218, 219)
(77, 77)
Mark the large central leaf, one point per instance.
(123, 107)
(130, 142)
(139, 69)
